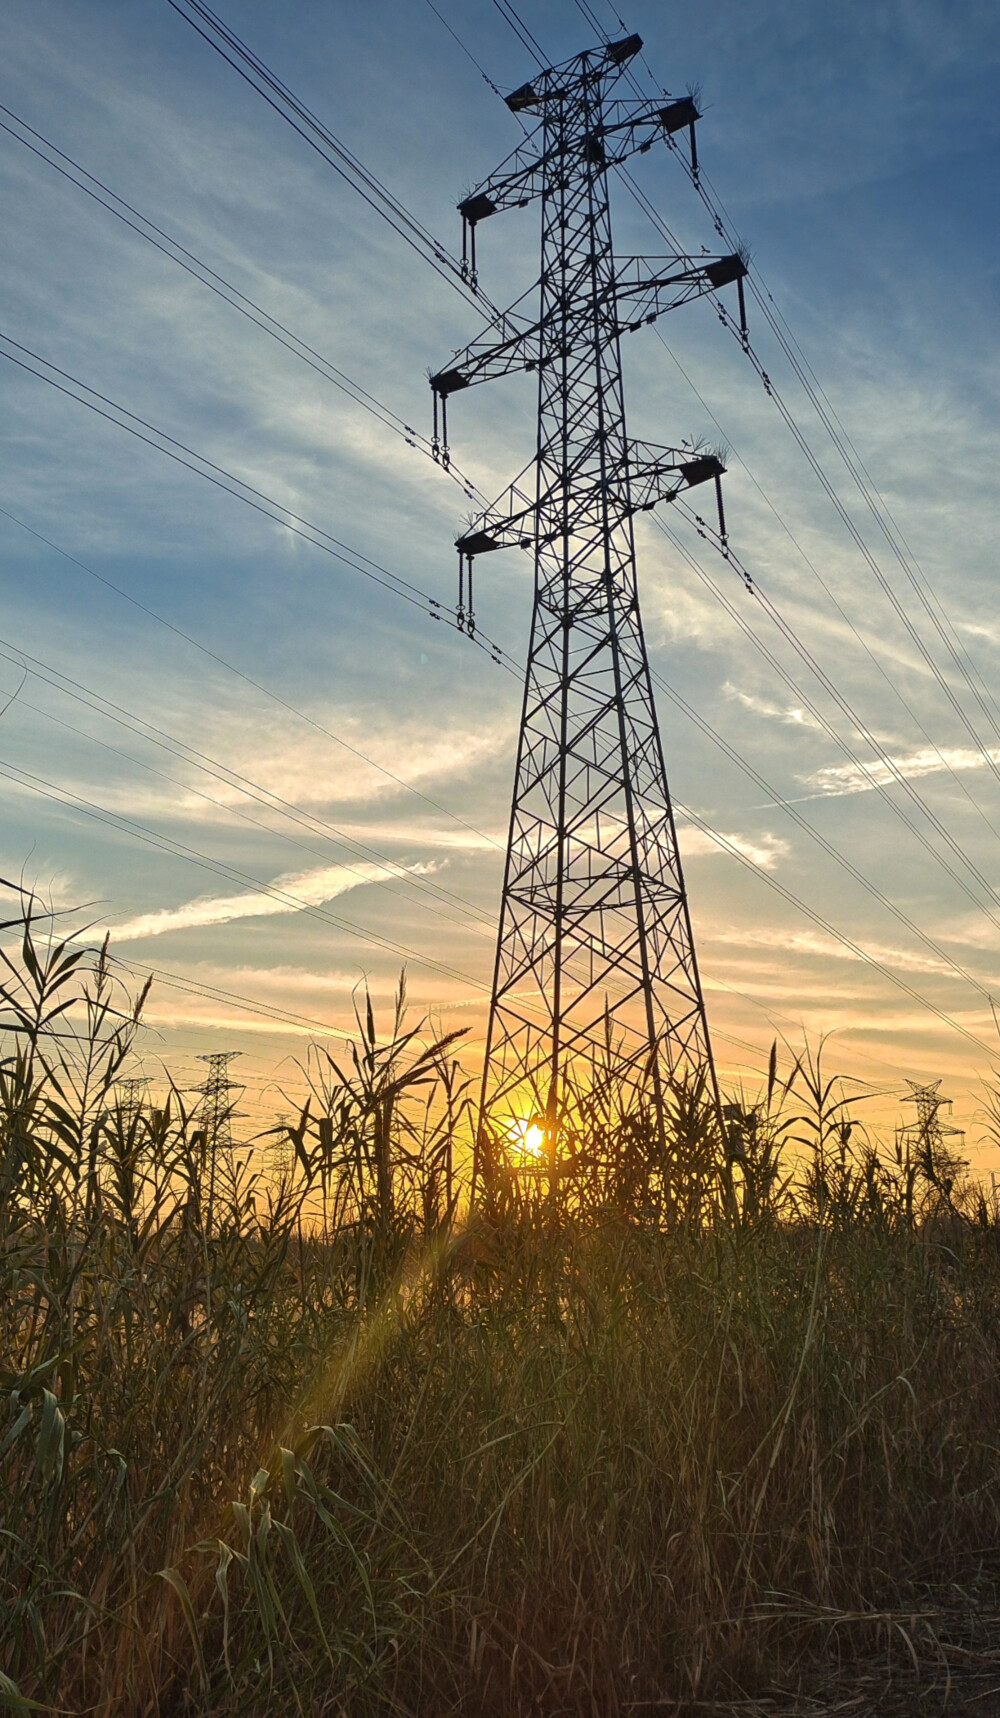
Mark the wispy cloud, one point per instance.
(412, 832)
(837, 779)
(764, 850)
(829, 948)
(775, 712)
(293, 892)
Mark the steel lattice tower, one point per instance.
(595, 964)
(219, 1107)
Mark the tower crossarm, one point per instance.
(662, 473)
(641, 289)
(655, 474)
(647, 287)
(508, 344)
(631, 128)
(512, 521)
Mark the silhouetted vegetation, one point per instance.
(694, 1418)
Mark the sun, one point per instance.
(527, 1139)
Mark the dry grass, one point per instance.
(697, 1425)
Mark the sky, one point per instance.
(274, 780)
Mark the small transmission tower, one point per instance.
(595, 977)
(930, 1133)
(219, 1105)
(132, 1098)
(217, 1111)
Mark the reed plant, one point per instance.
(706, 1416)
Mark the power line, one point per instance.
(809, 704)
(826, 680)
(248, 680)
(774, 614)
(227, 292)
(530, 42)
(319, 137)
(816, 835)
(214, 993)
(252, 497)
(875, 503)
(517, 24)
(825, 925)
(692, 715)
(872, 501)
(139, 831)
(177, 849)
(492, 194)
(237, 479)
(394, 869)
(703, 823)
(733, 453)
(883, 505)
(521, 31)
(467, 51)
(818, 398)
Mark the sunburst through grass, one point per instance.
(526, 1144)
(707, 1413)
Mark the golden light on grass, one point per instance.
(289, 1383)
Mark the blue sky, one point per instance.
(855, 149)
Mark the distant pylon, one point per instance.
(282, 1153)
(595, 966)
(219, 1105)
(131, 1098)
(930, 1132)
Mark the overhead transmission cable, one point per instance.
(205, 13)
(865, 771)
(313, 131)
(284, 895)
(818, 398)
(858, 472)
(119, 713)
(178, 849)
(135, 829)
(521, 31)
(214, 993)
(733, 453)
(392, 868)
(217, 475)
(722, 841)
(509, 13)
(396, 582)
(224, 289)
(257, 685)
(918, 581)
(857, 949)
(816, 835)
(531, 43)
(932, 596)
(467, 51)
(884, 757)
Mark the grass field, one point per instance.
(710, 1425)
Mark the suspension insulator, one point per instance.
(722, 513)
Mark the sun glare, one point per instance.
(527, 1140)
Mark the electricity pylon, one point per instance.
(595, 965)
(929, 1132)
(131, 1098)
(217, 1112)
(219, 1105)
